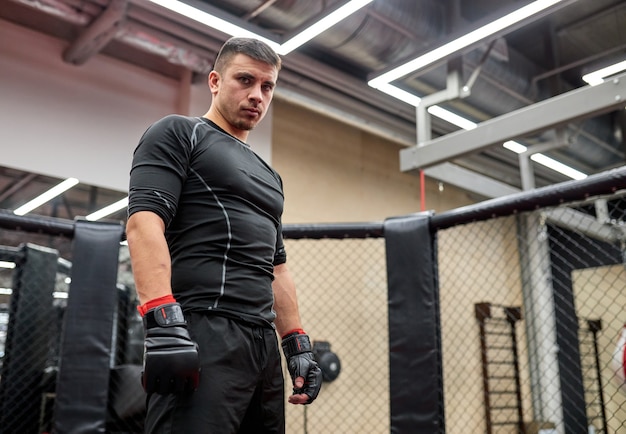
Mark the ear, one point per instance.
(214, 81)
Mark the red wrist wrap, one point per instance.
(293, 332)
(154, 303)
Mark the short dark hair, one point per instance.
(251, 47)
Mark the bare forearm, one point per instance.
(150, 258)
(285, 301)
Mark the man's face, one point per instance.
(242, 93)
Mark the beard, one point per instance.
(244, 125)
(238, 117)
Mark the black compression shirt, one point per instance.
(222, 206)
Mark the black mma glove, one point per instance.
(301, 363)
(170, 362)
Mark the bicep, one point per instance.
(158, 172)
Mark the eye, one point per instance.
(244, 80)
(268, 87)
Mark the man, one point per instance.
(205, 238)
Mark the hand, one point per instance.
(305, 373)
(170, 363)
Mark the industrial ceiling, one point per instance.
(510, 74)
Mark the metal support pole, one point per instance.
(453, 90)
(540, 322)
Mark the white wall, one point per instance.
(83, 121)
(63, 120)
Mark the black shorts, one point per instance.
(241, 383)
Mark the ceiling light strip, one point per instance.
(400, 94)
(453, 118)
(513, 146)
(108, 210)
(558, 167)
(463, 42)
(288, 46)
(212, 21)
(597, 77)
(46, 197)
(322, 25)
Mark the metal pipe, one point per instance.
(603, 183)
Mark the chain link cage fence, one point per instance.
(33, 296)
(343, 295)
(531, 307)
(342, 291)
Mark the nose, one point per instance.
(256, 94)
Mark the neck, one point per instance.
(216, 118)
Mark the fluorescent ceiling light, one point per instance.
(559, 167)
(383, 81)
(5, 264)
(542, 159)
(108, 210)
(288, 46)
(400, 94)
(597, 77)
(453, 118)
(463, 42)
(435, 110)
(322, 25)
(47, 196)
(518, 148)
(211, 20)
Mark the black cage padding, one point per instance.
(28, 338)
(86, 342)
(415, 369)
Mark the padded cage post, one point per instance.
(87, 337)
(28, 339)
(415, 361)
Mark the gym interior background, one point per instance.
(543, 269)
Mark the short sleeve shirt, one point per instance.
(222, 207)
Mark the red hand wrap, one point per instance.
(154, 303)
(293, 332)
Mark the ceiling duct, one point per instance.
(379, 35)
(391, 31)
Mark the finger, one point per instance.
(299, 382)
(301, 398)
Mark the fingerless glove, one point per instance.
(301, 363)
